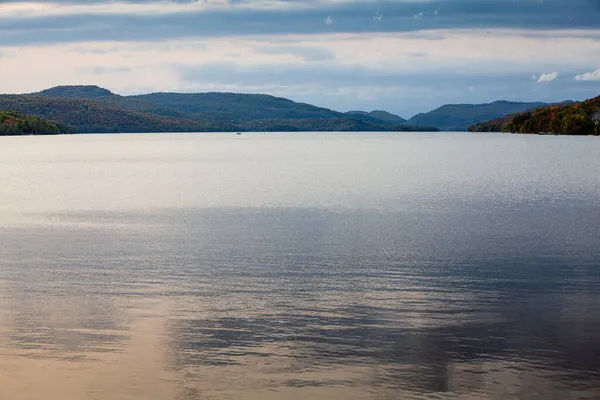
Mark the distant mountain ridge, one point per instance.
(378, 115)
(459, 117)
(95, 109)
(248, 106)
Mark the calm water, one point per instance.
(300, 266)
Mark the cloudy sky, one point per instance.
(404, 56)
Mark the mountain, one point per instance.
(239, 105)
(160, 112)
(14, 123)
(93, 116)
(563, 119)
(458, 117)
(75, 92)
(378, 115)
(389, 117)
(269, 113)
(108, 97)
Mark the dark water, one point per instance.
(333, 266)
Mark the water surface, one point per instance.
(300, 266)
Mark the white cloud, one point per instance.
(12, 9)
(589, 76)
(547, 77)
(30, 68)
(386, 64)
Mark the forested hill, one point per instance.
(108, 97)
(563, 119)
(97, 117)
(14, 123)
(75, 92)
(459, 117)
(243, 106)
(94, 109)
(379, 116)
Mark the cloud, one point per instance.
(105, 70)
(589, 76)
(434, 54)
(286, 48)
(386, 76)
(417, 54)
(331, 75)
(307, 53)
(356, 87)
(39, 22)
(544, 78)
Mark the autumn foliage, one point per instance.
(14, 123)
(577, 119)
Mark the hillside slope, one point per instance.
(92, 116)
(563, 119)
(458, 117)
(14, 123)
(91, 92)
(243, 106)
(269, 113)
(223, 111)
(378, 115)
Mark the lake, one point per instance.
(300, 266)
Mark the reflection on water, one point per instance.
(239, 303)
(463, 297)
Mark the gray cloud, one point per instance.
(355, 16)
(331, 75)
(346, 87)
(305, 52)
(417, 54)
(318, 77)
(105, 70)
